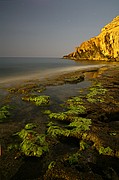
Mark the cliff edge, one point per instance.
(105, 46)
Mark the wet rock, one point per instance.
(74, 79)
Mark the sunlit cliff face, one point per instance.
(105, 46)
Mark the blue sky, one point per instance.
(51, 28)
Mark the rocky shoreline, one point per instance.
(81, 136)
(105, 46)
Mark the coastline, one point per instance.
(50, 76)
(107, 76)
(51, 73)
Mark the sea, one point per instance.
(17, 68)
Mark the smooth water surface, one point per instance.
(28, 67)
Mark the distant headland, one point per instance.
(105, 46)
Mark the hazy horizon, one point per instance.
(51, 28)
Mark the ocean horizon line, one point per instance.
(30, 57)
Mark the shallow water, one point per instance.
(62, 92)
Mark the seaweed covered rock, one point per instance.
(37, 100)
(31, 143)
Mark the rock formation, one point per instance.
(105, 46)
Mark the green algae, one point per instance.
(74, 101)
(37, 100)
(105, 151)
(56, 131)
(69, 114)
(47, 112)
(76, 110)
(58, 116)
(31, 143)
(96, 94)
(51, 165)
(74, 158)
(80, 124)
(83, 145)
(30, 126)
(112, 133)
(4, 113)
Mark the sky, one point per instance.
(51, 28)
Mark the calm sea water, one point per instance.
(21, 67)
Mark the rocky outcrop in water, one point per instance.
(105, 46)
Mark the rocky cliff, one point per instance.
(105, 46)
